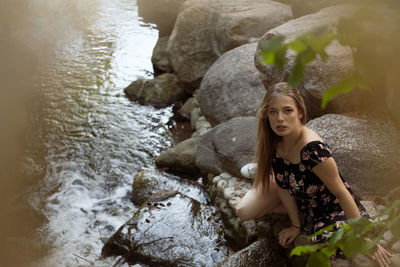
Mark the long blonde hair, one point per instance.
(267, 139)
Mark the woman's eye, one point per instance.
(288, 110)
(272, 112)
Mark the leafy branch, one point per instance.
(355, 236)
(374, 51)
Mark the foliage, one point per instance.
(355, 236)
(372, 36)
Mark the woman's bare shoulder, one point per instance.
(310, 136)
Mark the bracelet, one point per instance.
(298, 227)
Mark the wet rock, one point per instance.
(205, 29)
(227, 147)
(181, 157)
(163, 13)
(366, 151)
(195, 114)
(201, 126)
(160, 56)
(147, 183)
(263, 252)
(163, 90)
(319, 75)
(186, 109)
(223, 189)
(176, 232)
(232, 86)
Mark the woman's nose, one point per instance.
(279, 117)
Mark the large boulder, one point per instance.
(163, 90)
(366, 151)
(163, 13)
(264, 252)
(227, 147)
(205, 29)
(147, 183)
(160, 58)
(176, 231)
(232, 86)
(319, 75)
(181, 158)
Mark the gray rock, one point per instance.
(362, 261)
(232, 86)
(228, 146)
(147, 183)
(319, 75)
(366, 151)
(371, 208)
(161, 12)
(160, 58)
(223, 189)
(388, 236)
(263, 252)
(178, 231)
(396, 247)
(395, 260)
(163, 90)
(181, 157)
(205, 29)
(186, 109)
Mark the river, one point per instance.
(95, 140)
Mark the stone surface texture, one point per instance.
(232, 86)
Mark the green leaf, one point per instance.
(280, 57)
(351, 246)
(297, 75)
(318, 259)
(268, 57)
(306, 249)
(345, 86)
(336, 237)
(321, 231)
(329, 251)
(297, 45)
(359, 224)
(368, 247)
(272, 44)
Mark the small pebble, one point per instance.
(147, 220)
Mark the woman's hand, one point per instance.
(381, 256)
(288, 235)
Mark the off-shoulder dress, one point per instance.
(320, 206)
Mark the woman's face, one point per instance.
(284, 116)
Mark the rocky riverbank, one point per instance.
(207, 51)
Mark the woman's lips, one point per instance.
(281, 128)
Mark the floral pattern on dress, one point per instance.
(313, 198)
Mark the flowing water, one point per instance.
(95, 139)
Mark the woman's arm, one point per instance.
(288, 235)
(328, 172)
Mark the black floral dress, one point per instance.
(320, 206)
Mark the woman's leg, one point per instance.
(255, 204)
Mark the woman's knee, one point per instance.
(243, 212)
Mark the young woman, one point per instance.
(296, 172)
